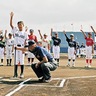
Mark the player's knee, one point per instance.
(43, 65)
(33, 66)
(69, 60)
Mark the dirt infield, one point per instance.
(78, 81)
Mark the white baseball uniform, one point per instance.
(19, 40)
(45, 43)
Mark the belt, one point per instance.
(9, 45)
(56, 45)
(88, 45)
(19, 45)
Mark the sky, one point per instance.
(60, 15)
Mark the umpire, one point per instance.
(46, 62)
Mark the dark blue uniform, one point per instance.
(56, 41)
(71, 50)
(70, 42)
(56, 48)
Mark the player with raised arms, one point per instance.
(89, 48)
(20, 37)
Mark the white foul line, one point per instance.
(81, 77)
(12, 92)
(25, 81)
(18, 88)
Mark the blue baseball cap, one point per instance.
(31, 30)
(31, 42)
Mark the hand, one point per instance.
(5, 31)
(91, 27)
(26, 29)
(51, 29)
(11, 14)
(37, 65)
(23, 52)
(75, 52)
(15, 48)
(38, 30)
(64, 32)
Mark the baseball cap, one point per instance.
(56, 33)
(20, 22)
(89, 33)
(71, 35)
(31, 30)
(31, 43)
(45, 34)
(10, 34)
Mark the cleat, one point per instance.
(21, 76)
(86, 66)
(68, 65)
(89, 66)
(48, 80)
(73, 65)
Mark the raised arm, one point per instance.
(51, 31)
(65, 34)
(11, 19)
(5, 34)
(40, 34)
(83, 33)
(26, 28)
(93, 29)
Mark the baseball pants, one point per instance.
(1, 53)
(44, 69)
(19, 57)
(88, 52)
(9, 52)
(71, 54)
(56, 52)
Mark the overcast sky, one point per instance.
(46, 14)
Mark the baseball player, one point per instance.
(89, 48)
(45, 41)
(46, 62)
(2, 49)
(34, 38)
(9, 48)
(56, 46)
(20, 38)
(71, 49)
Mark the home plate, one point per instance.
(10, 80)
